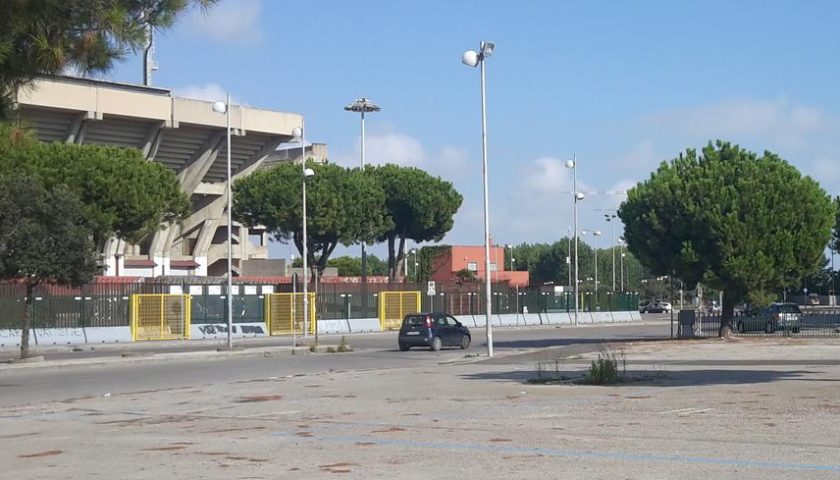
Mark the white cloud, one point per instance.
(210, 92)
(402, 149)
(779, 119)
(231, 21)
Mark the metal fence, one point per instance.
(820, 322)
(108, 304)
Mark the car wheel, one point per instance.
(768, 327)
(465, 342)
(436, 344)
(404, 347)
(740, 327)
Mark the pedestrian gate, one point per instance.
(282, 308)
(160, 317)
(393, 306)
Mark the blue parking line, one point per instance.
(552, 452)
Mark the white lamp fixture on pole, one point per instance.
(471, 58)
(363, 105)
(224, 107)
(578, 196)
(307, 172)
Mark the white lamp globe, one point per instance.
(297, 132)
(470, 58)
(220, 107)
(570, 164)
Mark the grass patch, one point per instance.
(608, 369)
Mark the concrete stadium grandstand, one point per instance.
(187, 136)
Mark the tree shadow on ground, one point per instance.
(653, 378)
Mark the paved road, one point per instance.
(373, 351)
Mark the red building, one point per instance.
(448, 263)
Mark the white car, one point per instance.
(658, 307)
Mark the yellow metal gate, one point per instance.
(160, 317)
(393, 306)
(281, 308)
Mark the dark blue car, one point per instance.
(433, 330)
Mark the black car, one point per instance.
(433, 330)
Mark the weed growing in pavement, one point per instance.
(330, 350)
(312, 347)
(549, 372)
(609, 368)
(343, 346)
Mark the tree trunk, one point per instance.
(400, 255)
(391, 259)
(727, 313)
(27, 319)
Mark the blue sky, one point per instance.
(623, 85)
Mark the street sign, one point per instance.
(430, 290)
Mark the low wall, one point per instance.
(99, 335)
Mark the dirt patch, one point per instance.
(240, 429)
(18, 435)
(500, 440)
(305, 434)
(338, 467)
(212, 454)
(365, 444)
(637, 397)
(259, 398)
(48, 453)
(164, 449)
(389, 429)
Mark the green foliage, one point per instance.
(743, 223)
(835, 234)
(343, 206)
(45, 37)
(418, 206)
(352, 266)
(122, 193)
(45, 235)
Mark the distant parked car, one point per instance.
(657, 307)
(433, 330)
(778, 316)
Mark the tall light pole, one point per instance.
(224, 107)
(621, 242)
(611, 220)
(471, 58)
(363, 105)
(510, 247)
(578, 196)
(306, 173)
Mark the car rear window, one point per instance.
(415, 320)
(789, 308)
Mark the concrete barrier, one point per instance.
(59, 336)
(601, 317)
(621, 316)
(108, 334)
(11, 338)
(466, 320)
(531, 319)
(365, 325)
(219, 330)
(635, 316)
(507, 320)
(333, 326)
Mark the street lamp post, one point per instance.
(472, 58)
(307, 172)
(363, 105)
(224, 107)
(611, 220)
(578, 196)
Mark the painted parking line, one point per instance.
(565, 453)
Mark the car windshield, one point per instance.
(788, 308)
